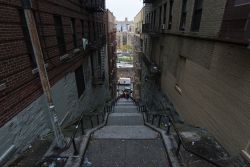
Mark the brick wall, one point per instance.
(212, 15)
(215, 86)
(22, 86)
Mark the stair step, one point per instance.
(125, 132)
(125, 119)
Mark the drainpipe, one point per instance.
(30, 20)
(246, 152)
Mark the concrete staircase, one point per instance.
(125, 141)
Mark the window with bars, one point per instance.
(27, 39)
(80, 83)
(196, 20)
(183, 15)
(164, 13)
(170, 17)
(73, 30)
(59, 34)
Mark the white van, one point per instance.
(124, 81)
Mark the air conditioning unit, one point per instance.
(163, 26)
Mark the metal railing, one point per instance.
(80, 124)
(171, 123)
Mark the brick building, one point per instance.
(201, 52)
(77, 70)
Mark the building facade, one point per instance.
(72, 35)
(125, 33)
(112, 43)
(202, 52)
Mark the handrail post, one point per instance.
(153, 119)
(169, 126)
(178, 148)
(91, 121)
(97, 117)
(74, 146)
(159, 123)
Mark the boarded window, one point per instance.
(80, 81)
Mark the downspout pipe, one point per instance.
(30, 20)
(7, 154)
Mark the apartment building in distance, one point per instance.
(125, 32)
(72, 35)
(201, 52)
(112, 43)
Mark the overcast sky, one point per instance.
(124, 8)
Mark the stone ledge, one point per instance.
(64, 57)
(35, 70)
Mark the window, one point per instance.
(183, 15)
(99, 58)
(89, 30)
(82, 24)
(60, 34)
(73, 30)
(80, 81)
(94, 30)
(160, 17)
(154, 18)
(92, 64)
(164, 13)
(197, 15)
(27, 39)
(170, 17)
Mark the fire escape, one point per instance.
(98, 40)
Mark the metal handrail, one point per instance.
(180, 142)
(107, 108)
